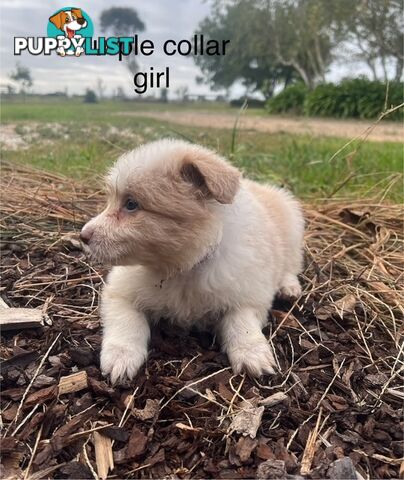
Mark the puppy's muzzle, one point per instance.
(86, 234)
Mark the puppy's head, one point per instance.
(69, 21)
(165, 207)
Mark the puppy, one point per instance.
(193, 242)
(70, 21)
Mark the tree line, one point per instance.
(277, 42)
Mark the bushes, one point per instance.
(351, 98)
(327, 100)
(290, 100)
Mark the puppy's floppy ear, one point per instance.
(211, 175)
(58, 19)
(77, 12)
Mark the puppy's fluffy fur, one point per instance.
(202, 246)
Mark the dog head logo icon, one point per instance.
(69, 21)
(75, 24)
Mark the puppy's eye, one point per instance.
(131, 205)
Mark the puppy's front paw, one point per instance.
(79, 51)
(121, 362)
(256, 359)
(61, 51)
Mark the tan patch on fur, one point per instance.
(174, 224)
(211, 175)
(169, 230)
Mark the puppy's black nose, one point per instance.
(81, 21)
(86, 234)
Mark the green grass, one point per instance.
(90, 137)
(75, 110)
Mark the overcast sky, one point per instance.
(164, 19)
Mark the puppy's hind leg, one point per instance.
(245, 344)
(290, 287)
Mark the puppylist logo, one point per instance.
(70, 33)
(76, 27)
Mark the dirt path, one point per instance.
(384, 132)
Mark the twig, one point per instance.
(41, 363)
(330, 384)
(27, 470)
(191, 385)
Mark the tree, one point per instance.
(10, 89)
(376, 29)
(100, 88)
(278, 41)
(22, 75)
(305, 36)
(120, 93)
(272, 42)
(275, 42)
(182, 93)
(164, 95)
(90, 96)
(122, 21)
(249, 58)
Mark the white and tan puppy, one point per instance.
(193, 242)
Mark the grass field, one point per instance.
(82, 140)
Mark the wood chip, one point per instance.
(137, 443)
(340, 307)
(3, 304)
(41, 396)
(271, 469)
(342, 469)
(265, 452)
(103, 454)
(285, 319)
(248, 420)
(183, 426)
(149, 411)
(346, 304)
(274, 399)
(42, 381)
(73, 383)
(10, 465)
(244, 448)
(20, 318)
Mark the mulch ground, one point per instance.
(334, 411)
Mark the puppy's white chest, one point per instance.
(185, 300)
